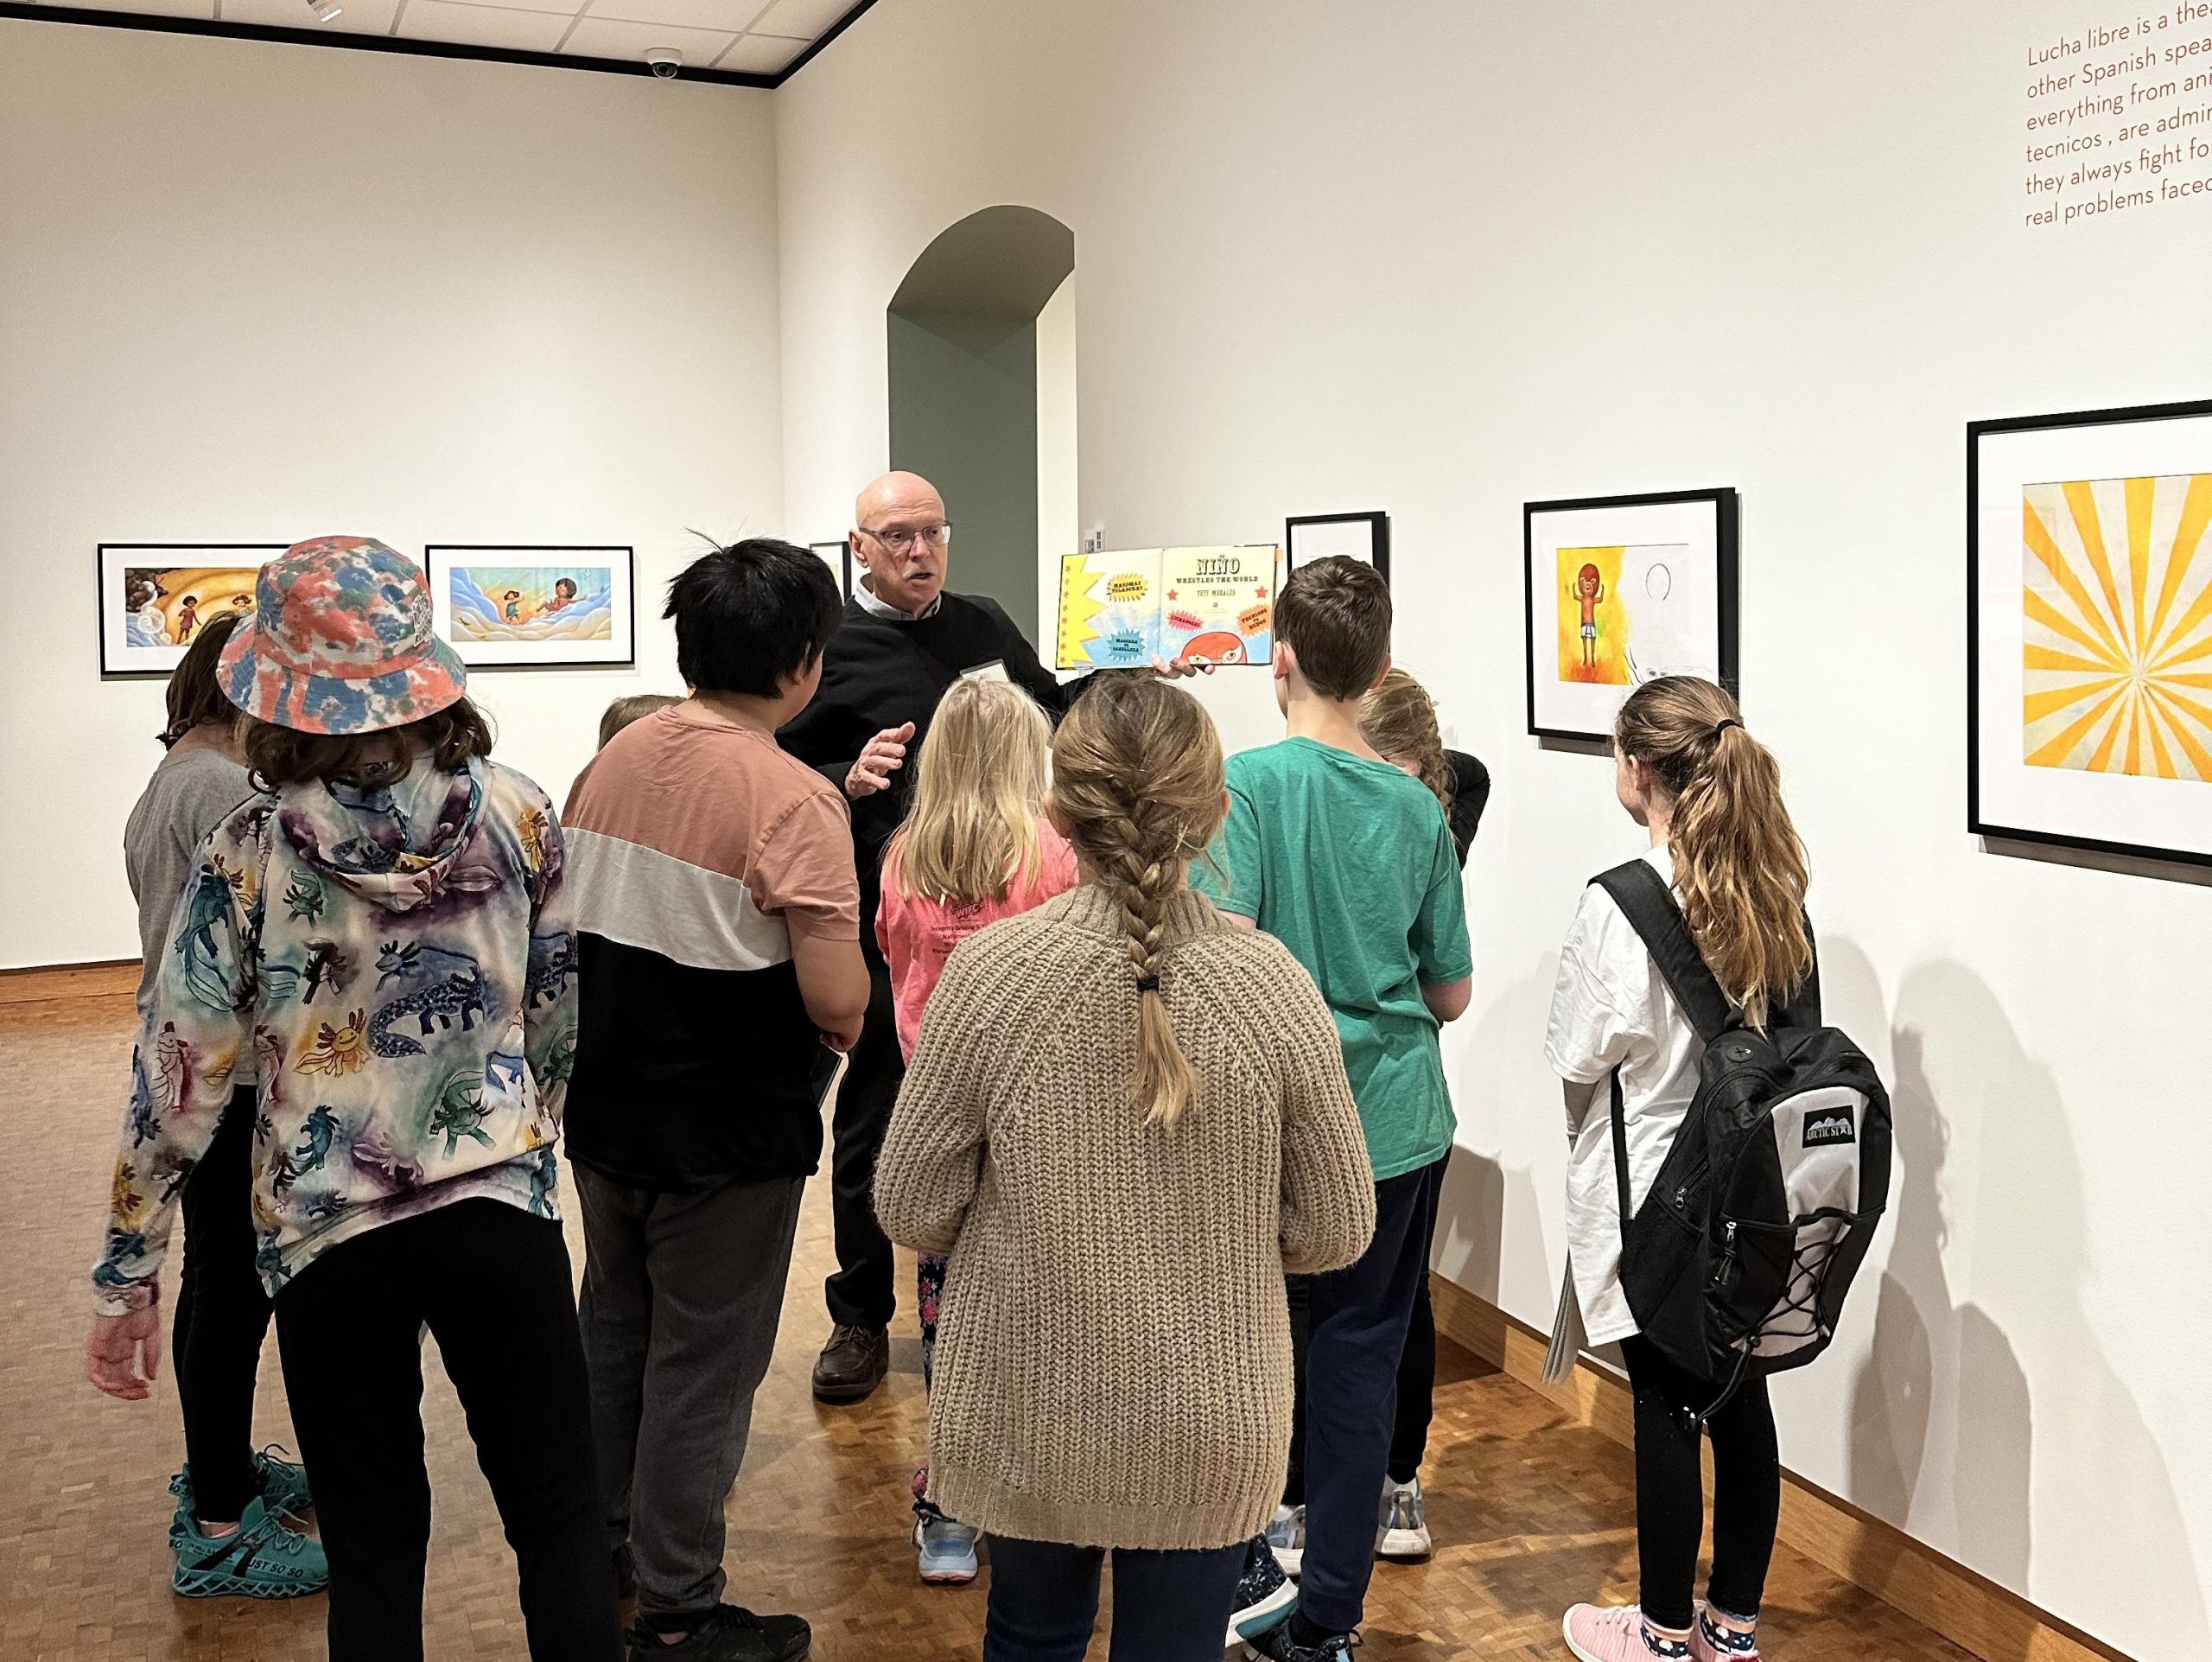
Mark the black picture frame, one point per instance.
(1726, 510)
(111, 671)
(843, 562)
(1378, 537)
(1979, 823)
(437, 560)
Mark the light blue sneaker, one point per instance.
(1286, 1538)
(945, 1551)
(262, 1558)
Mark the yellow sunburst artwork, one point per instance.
(2117, 634)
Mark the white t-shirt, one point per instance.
(1610, 1008)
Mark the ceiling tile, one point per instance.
(608, 37)
(802, 19)
(761, 54)
(359, 17)
(471, 25)
(730, 16)
(156, 8)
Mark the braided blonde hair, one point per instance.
(1137, 787)
(1738, 866)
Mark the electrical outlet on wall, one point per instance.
(1094, 540)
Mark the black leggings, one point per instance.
(490, 1282)
(1670, 1492)
(222, 1315)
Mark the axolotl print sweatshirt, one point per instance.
(393, 968)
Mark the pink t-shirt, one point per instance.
(918, 935)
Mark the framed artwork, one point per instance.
(154, 596)
(1622, 590)
(838, 557)
(533, 606)
(1362, 536)
(2089, 630)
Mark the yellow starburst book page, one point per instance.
(2117, 627)
(1121, 611)
(1109, 610)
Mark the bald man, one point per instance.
(905, 638)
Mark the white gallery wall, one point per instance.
(1442, 256)
(257, 293)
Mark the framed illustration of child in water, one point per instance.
(535, 607)
(1622, 590)
(154, 596)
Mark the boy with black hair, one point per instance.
(718, 917)
(1348, 863)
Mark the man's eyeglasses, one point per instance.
(900, 538)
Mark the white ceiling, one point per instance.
(759, 37)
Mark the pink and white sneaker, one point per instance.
(1713, 1642)
(1617, 1634)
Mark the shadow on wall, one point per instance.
(1481, 1194)
(1944, 1439)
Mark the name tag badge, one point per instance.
(994, 670)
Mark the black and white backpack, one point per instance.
(1738, 1262)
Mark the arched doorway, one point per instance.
(981, 355)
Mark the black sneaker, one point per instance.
(852, 1364)
(726, 1634)
(1265, 1597)
(1277, 1645)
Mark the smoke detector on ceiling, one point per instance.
(664, 61)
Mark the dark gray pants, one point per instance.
(681, 1298)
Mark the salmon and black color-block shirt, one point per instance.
(699, 853)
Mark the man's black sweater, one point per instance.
(881, 672)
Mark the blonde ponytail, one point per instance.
(1137, 782)
(1739, 869)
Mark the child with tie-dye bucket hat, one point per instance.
(379, 938)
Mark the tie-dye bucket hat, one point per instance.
(340, 642)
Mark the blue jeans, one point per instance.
(1359, 1315)
(1168, 1606)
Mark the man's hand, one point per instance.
(116, 1343)
(885, 756)
(843, 1039)
(1176, 669)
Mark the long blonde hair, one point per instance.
(971, 832)
(1739, 867)
(1399, 719)
(1137, 785)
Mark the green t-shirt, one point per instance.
(1350, 864)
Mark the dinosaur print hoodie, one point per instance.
(392, 966)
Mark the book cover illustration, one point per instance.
(1123, 610)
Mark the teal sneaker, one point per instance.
(262, 1558)
(283, 1486)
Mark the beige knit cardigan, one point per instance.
(1113, 1357)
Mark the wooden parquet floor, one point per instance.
(1531, 1510)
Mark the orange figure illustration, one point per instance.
(1215, 647)
(1589, 590)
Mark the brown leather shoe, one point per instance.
(852, 1364)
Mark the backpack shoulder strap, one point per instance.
(1644, 900)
